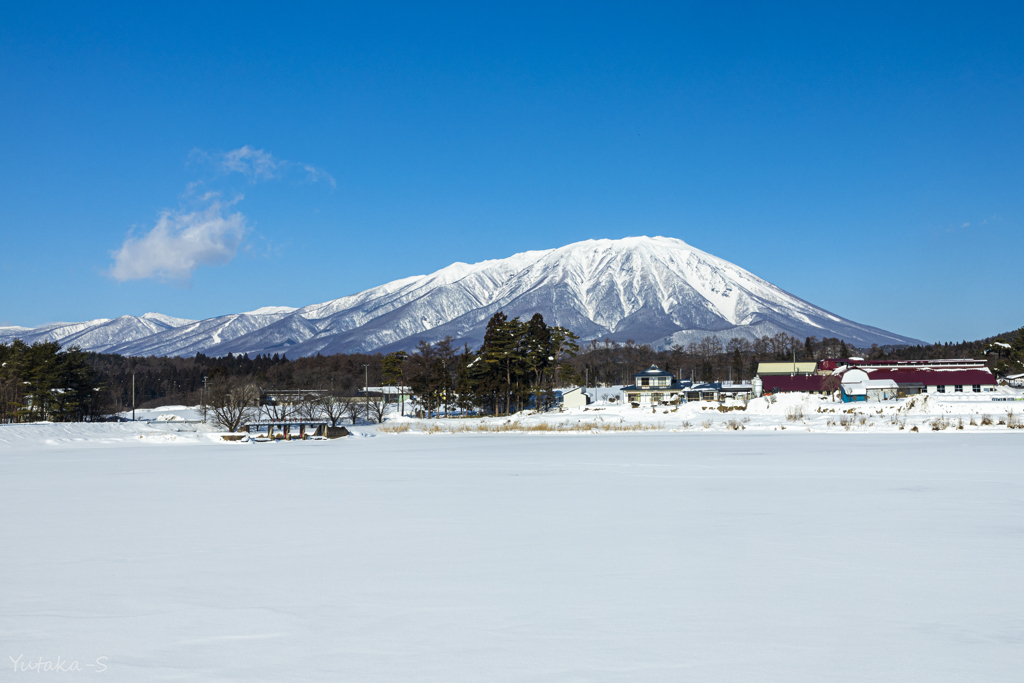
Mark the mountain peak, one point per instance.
(656, 290)
(271, 310)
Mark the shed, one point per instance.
(858, 385)
(575, 398)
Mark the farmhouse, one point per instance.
(716, 391)
(653, 386)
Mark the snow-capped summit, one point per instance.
(656, 290)
(271, 310)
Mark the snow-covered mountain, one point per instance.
(654, 290)
(102, 334)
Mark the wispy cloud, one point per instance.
(258, 164)
(315, 174)
(181, 241)
(255, 164)
(982, 224)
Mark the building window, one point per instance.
(941, 388)
(656, 397)
(633, 398)
(976, 388)
(645, 382)
(958, 388)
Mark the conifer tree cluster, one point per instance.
(518, 363)
(43, 382)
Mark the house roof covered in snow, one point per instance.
(934, 377)
(654, 371)
(834, 363)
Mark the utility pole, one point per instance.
(133, 396)
(203, 399)
(366, 393)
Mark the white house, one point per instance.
(653, 386)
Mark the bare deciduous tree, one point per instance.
(377, 406)
(832, 383)
(353, 407)
(310, 408)
(278, 412)
(233, 402)
(334, 408)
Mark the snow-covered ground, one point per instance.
(967, 412)
(709, 555)
(803, 412)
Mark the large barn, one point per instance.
(882, 379)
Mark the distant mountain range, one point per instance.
(654, 290)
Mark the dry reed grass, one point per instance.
(519, 427)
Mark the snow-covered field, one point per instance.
(796, 411)
(159, 554)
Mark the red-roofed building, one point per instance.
(935, 376)
(775, 384)
(951, 380)
(938, 376)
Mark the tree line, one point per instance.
(520, 363)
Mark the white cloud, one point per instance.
(179, 242)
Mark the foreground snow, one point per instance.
(651, 556)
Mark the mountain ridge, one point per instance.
(655, 290)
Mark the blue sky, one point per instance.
(867, 159)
